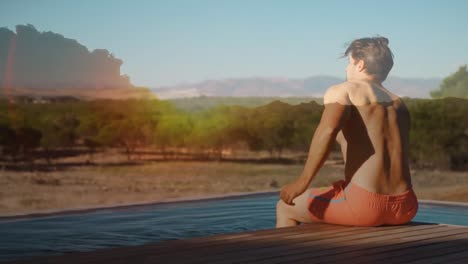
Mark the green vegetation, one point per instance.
(439, 133)
(28, 130)
(456, 85)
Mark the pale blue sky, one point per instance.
(173, 41)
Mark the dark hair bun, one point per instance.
(382, 40)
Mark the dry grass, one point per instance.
(82, 187)
(441, 185)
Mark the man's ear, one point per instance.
(361, 65)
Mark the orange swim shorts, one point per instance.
(345, 203)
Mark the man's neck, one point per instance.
(367, 79)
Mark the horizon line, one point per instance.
(184, 83)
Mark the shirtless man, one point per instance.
(372, 126)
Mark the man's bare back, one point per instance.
(375, 139)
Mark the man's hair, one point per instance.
(375, 53)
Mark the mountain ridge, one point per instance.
(314, 86)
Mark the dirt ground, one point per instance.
(100, 186)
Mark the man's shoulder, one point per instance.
(348, 87)
(338, 93)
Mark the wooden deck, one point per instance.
(312, 243)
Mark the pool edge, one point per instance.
(45, 213)
(50, 213)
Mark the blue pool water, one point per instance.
(136, 225)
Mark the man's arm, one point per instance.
(343, 144)
(335, 114)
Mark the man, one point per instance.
(372, 126)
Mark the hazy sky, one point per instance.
(171, 42)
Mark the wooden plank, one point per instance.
(255, 255)
(221, 252)
(193, 243)
(459, 261)
(429, 251)
(212, 240)
(390, 244)
(297, 251)
(438, 242)
(117, 254)
(347, 249)
(277, 247)
(187, 252)
(443, 258)
(314, 243)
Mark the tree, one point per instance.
(210, 130)
(133, 133)
(88, 132)
(439, 132)
(28, 139)
(306, 118)
(7, 141)
(271, 128)
(67, 125)
(172, 130)
(455, 85)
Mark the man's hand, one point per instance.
(292, 190)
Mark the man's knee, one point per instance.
(284, 208)
(281, 206)
(298, 212)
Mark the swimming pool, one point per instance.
(136, 225)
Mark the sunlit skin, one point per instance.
(371, 124)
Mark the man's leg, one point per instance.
(292, 215)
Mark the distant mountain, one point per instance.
(412, 87)
(282, 87)
(202, 103)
